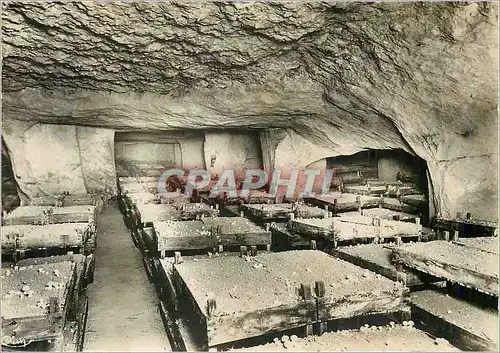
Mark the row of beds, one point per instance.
(47, 264)
(240, 273)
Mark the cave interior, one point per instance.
(394, 105)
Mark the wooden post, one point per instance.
(21, 254)
(243, 250)
(268, 247)
(459, 215)
(313, 244)
(358, 201)
(323, 327)
(242, 214)
(468, 216)
(162, 254)
(455, 235)
(335, 207)
(211, 307)
(292, 216)
(177, 257)
(217, 206)
(305, 291)
(253, 250)
(398, 241)
(446, 235)
(220, 248)
(319, 289)
(268, 226)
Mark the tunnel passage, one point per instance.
(383, 167)
(149, 153)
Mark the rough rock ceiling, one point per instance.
(388, 73)
(344, 76)
(168, 47)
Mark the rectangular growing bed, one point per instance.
(232, 298)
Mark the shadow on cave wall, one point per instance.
(10, 197)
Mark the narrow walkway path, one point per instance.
(123, 306)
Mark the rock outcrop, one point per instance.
(345, 77)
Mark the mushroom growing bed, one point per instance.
(282, 211)
(149, 213)
(26, 289)
(234, 298)
(208, 233)
(48, 215)
(469, 326)
(382, 213)
(352, 228)
(378, 258)
(366, 190)
(35, 301)
(156, 198)
(45, 236)
(488, 244)
(343, 202)
(268, 211)
(183, 235)
(467, 266)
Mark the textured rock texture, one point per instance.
(49, 159)
(344, 76)
(238, 151)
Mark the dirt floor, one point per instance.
(123, 306)
(381, 338)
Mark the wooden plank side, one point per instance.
(186, 243)
(30, 329)
(358, 305)
(260, 238)
(455, 272)
(44, 236)
(39, 215)
(412, 279)
(268, 211)
(242, 325)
